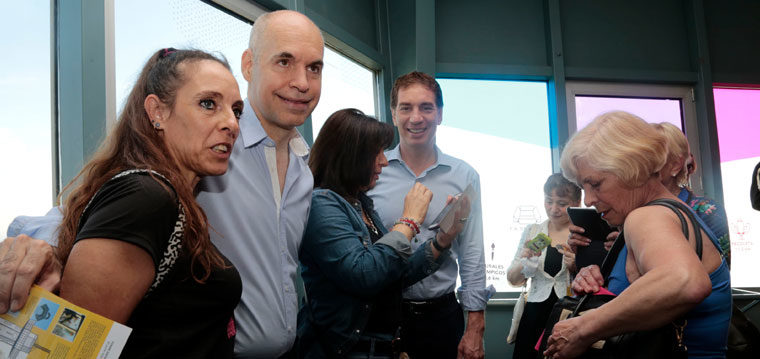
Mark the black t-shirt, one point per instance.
(181, 318)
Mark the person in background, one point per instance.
(657, 277)
(433, 324)
(132, 205)
(353, 268)
(675, 176)
(754, 191)
(550, 269)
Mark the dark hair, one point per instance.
(135, 143)
(564, 187)
(343, 156)
(417, 78)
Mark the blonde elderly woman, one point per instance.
(658, 277)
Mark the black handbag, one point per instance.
(743, 336)
(664, 342)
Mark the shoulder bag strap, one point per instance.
(675, 206)
(174, 244)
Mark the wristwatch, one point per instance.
(437, 246)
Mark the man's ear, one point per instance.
(439, 115)
(156, 110)
(246, 64)
(393, 116)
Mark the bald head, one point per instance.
(280, 20)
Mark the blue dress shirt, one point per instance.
(343, 271)
(447, 176)
(259, 237)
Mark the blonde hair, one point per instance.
(678, 149)
(619, 143)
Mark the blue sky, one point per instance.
(25, 123)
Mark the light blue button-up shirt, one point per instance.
(447, 176)
(260, 237)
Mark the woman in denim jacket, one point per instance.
(352, 267)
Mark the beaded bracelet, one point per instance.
(412, 223)
(406, 224)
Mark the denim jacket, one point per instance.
(343, 270)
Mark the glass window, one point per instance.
(345, 84)
(651, 110)
(26, 186)
(501, 128)
(738, 122)
(173, 23)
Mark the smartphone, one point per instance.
(597, 230)
(436, 223)
(539, 242)
(445, 219)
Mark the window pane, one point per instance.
(344, 84)
(501, 128)
(737, 113)
(173, 23)
(26, 186)
(651, 110)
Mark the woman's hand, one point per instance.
(576, 238)
(528, 253)
(568, 257)
(588, 280)
(610, 240)
(566, 340)
(460, 219)
(416, 203)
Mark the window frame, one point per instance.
(645, 91)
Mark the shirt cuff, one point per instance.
(16, 227)
(398, 242)
(473, 300)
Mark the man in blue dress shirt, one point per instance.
(258, 210)
(433, 324)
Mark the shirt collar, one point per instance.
(440, 158)
(252, 133)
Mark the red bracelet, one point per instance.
(411, 223)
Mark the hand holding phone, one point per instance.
(596, 229)
(445, 219)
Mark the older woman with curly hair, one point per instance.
(658, 276)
